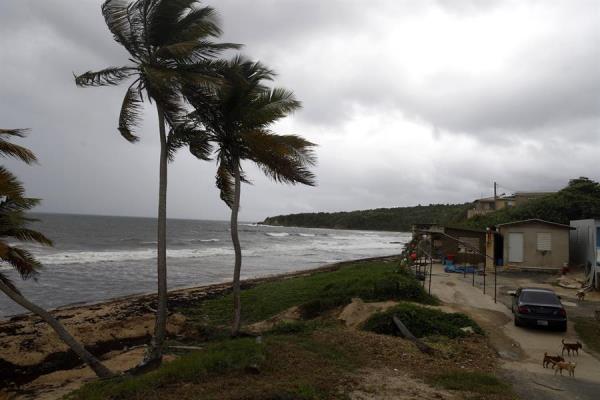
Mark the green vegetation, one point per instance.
(421, 321)
(314, 293)
(579, 200)
(588, 330)
(477, 382)
(302, 360)
(195, 367)
(384, 219)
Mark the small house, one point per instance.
(464, 246)
(535, 244)
(585, 248)
(488, 205)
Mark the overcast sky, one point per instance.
(410, 102)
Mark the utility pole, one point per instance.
(495, 193)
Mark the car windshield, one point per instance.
(528, 296)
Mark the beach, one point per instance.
(98, 258)
(33, 357)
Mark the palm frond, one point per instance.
(192, 135)
(197, 24)
(10, 186)
(283, 158)
(165, 17)
(16, 204)
(225, 184)
(22, 261)
(193, 51)
(130, 115)
(125, 20)
(14, 132)
(270, 106)
(105, 77)
(13, 150)
(27, 235)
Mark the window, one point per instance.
(544, 241)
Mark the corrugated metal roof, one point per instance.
(536, 220)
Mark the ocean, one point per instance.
(97, 258)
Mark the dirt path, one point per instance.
(520, 349)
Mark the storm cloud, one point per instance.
(410, 102)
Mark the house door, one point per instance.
(515, 247)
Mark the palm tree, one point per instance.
(237, 117)
(13, 224)
(170, 47)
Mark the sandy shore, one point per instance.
(31, 352)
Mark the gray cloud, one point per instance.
(410, 101)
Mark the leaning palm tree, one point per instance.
(170, 46)
(13, 225)
(237, 118)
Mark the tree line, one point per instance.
(385, 219)
(220, 109)
(580, 199)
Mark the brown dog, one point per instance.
(569, 366)
(551, 360)
(571, 347)
(580, 295)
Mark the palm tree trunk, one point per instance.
(237, 305)
(64, 335)
(160, 327)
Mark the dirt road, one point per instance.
(521, 349)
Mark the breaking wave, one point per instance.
(87, 257)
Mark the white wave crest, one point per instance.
(277, 234)
(87, 257)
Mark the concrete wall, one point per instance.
(583, 247)
(532, 257)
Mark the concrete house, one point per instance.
(535, 244)
(487, 205)
(585, 248)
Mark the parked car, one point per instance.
(538, 307)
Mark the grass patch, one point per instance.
(192, 368)
(477, 382)
(293, 328)
(317, 293)
(421, 321)
(588, 330)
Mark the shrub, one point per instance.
(421, 321)
(316, 307)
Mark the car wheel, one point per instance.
(563, 327)
(517, 322)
